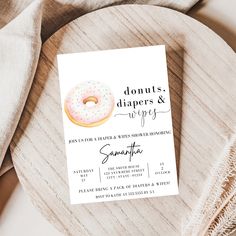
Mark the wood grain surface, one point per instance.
(202, 78)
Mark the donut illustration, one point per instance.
(89, 104)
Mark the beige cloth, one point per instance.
(25, 24)
(216, 211)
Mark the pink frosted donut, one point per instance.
(78, 99)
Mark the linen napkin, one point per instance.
(216, 210)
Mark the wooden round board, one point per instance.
(202, 78)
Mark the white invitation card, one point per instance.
(117, 124)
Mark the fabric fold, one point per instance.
(20, 45)
(215, 213)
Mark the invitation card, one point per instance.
(117, 124)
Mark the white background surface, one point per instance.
(17, 215)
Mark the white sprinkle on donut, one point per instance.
(79, 99)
